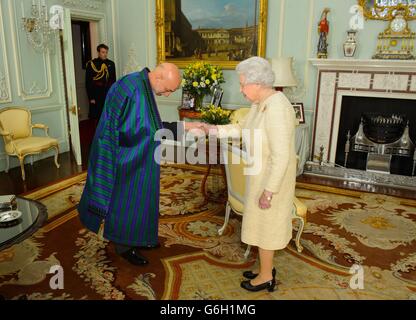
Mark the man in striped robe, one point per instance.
(121, 196)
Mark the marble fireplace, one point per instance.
(360, 87)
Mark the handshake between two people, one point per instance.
(208, 129)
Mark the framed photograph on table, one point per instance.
(188, 101)
(220, 32)
(217, 97)
(300, 112)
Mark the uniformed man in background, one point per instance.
(100, 76)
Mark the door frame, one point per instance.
(100, 20)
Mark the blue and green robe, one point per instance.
(123, 183)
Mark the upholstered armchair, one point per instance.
(236, 184)
(238, 115)
(16, 128)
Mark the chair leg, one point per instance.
(298, 236)
(56, 157)
(22, 167)
(7, 164)
(247, 254)
(227, 219)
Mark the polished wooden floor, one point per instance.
(44, 173)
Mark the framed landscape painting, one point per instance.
(221, 32)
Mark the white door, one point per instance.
(71, 87)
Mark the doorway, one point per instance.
(74, 50)
(84, 41)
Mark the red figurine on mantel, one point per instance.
(323, 29)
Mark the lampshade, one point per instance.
(282, 68)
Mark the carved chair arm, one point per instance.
(8, 137)
(41, 126)
(5, 134)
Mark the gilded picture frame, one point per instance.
(233, 45)
(372, 11)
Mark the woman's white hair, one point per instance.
(257, 70)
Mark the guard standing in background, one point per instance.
(100, 76)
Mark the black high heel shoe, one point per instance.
(250, 275)
(269, 286)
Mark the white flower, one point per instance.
(202, 85)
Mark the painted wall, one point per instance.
(35, 80)
(292, 31)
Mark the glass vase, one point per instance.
(198, 102)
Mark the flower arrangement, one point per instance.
(200, 79)
(215, 115)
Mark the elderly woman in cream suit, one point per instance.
(267, 219)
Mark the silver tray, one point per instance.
(9, 216)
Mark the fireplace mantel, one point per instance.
(395, 79)
(365, 65)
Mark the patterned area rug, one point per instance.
(344, 229)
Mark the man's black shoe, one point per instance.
(134, 257)
(157, 246)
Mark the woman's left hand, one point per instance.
(265, 201)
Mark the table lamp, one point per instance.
(282, 68)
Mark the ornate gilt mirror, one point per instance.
(387, 9)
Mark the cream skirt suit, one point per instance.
(276, 122)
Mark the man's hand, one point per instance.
(194, 125)
(92, 101)
(207, 128)
(265, 201)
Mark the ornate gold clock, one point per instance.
(397, 41)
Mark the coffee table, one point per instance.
(34, 215)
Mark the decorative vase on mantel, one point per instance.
(350, 46)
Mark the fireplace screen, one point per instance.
(384, 139)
